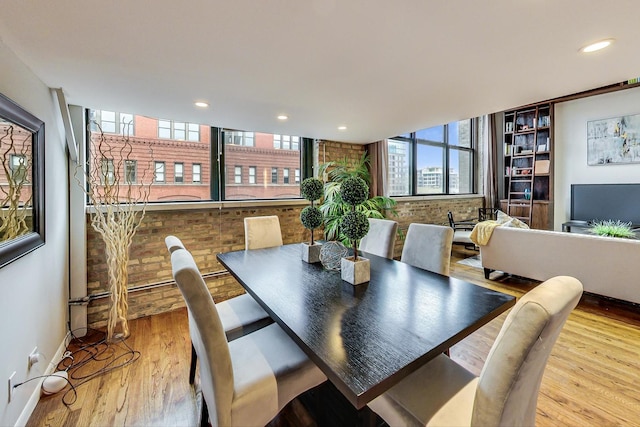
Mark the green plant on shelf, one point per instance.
(612, 228)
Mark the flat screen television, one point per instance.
(592, 202)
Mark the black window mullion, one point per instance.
(216, 180)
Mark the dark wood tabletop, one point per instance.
(368, 337)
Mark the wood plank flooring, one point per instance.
(592, 377)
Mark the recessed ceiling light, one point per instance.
(596, 46)
(283, 117)
(342, 128)
(201, 104)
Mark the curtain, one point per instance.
(490, 163)
(377, 152)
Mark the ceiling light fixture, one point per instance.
(283, 117)
(201, 104)
(596, 46)
(342, 128)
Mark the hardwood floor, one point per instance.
(592, 377)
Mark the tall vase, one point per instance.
(117, 262)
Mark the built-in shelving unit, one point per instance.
(528, 164)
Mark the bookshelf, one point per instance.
(527, 160)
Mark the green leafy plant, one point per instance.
(311, 216)
(355, 225)
(612, 229)
(333, 207)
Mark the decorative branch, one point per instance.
(118, 210)
(15, 203)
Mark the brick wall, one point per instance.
(206, 232)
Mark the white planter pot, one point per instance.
(355, 272)
(310, 253)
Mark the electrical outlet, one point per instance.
(34, 358)
(11, 385)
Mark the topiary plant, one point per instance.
(612, 229)
(354, 225)
(334, 208)
(311, 189)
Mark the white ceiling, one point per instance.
(380, 67)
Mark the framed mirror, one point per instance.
(21, 181)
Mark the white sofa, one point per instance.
(605, 265)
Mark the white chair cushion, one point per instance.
(269, 370)
(462, 236)
(241, 315)
(441, 393)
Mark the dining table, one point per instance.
(368, 337)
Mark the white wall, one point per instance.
(570, 139)
(34, 288)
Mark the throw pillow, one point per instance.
(505, 220)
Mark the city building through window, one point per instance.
(243, 172)
(437, 160)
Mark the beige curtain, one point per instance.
(491, 164)
(377, 152)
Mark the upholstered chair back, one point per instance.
(208, 338)
(507, 391)
(381, 238)
(428, 246)
(173, 243)
(262, 232)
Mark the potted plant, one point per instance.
(354, 225)
(612, 229)
(334, 208)
(311, 217)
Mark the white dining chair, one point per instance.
(239, 315)
(262, 232)
(443, 393)
(381, 237)
(245, 382)
(428, 246)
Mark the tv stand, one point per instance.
(575, 224)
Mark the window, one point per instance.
(286, 142)
(181, 131)
(262, 162)
(130, 171)
(196, 172)
(193, 132)
(223, 165)
(235, 137)
(159, 170)
(18, 167)
(107, 172)
(178, 172)
(437, 160)
(112, 122)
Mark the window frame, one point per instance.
(174, 129)
(198, 174)
(127, 171)
(163, 165)
(446, 146)
(178, 179)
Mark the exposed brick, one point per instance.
(207, 232)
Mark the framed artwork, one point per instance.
(613, 140)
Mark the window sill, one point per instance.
(229, 204)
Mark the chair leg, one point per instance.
(192, 369)
(204, 413)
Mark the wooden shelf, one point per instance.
(530, 188)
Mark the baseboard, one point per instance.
(35, 396)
